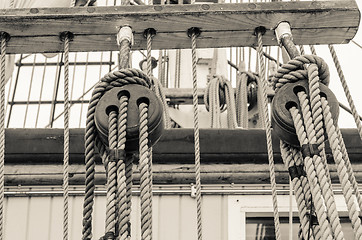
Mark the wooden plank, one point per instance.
(222, 25)
(211, 173)
(45, 146)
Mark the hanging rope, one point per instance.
(265, 117)
(219, 96)
(145, 180)
(110, 80)
(193, 34)
(123, 221)
(67, 38)
(4, 37)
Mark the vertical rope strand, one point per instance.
(196, 136)
(66, 140)
(264, 109)
(150, 74)
(111, 175)
(123, 218)
(2, 132)
(146, 233)
(346, 89)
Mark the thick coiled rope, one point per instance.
(110, 80)
(219, 96)
(196, 136)
(2, 130)
(265, 117)
(294, 71)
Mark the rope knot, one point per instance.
(295, 70)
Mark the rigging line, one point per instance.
(268, 133)
(29, 91)
(84, 85)
(344, 107)
(78, 99)
(196, 133)
(346, 90)
(56, 87)
(357, 44)
(2, 130)
(66, 139)
(14, 91)
(41, 92)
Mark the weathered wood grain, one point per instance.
(222, 25)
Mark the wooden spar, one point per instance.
(222, 25)
(34, 157)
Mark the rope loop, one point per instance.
(220, 83)
(295, 70)
(118, 78)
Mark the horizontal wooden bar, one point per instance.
(222, 25)
(34, 157)
(212, 173)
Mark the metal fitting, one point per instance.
(283, 29)
(125, 33)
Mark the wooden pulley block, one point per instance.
(136, 95)
(285, 98)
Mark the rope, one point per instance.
(218, 92)
(294, 71)
(113, 79)
(2, 131)
(264, 110)
(320, 169)
(145, 193)
(312, 176)
(241, 99)
(246, 91)
(66, 139)
(341, 169)
(124, 54)
(300, 195)
(123, 220)
(111, 176)
(150, 33)
(346, 90)
(196, 136)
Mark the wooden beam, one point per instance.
(222, 25)
(34, 157)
